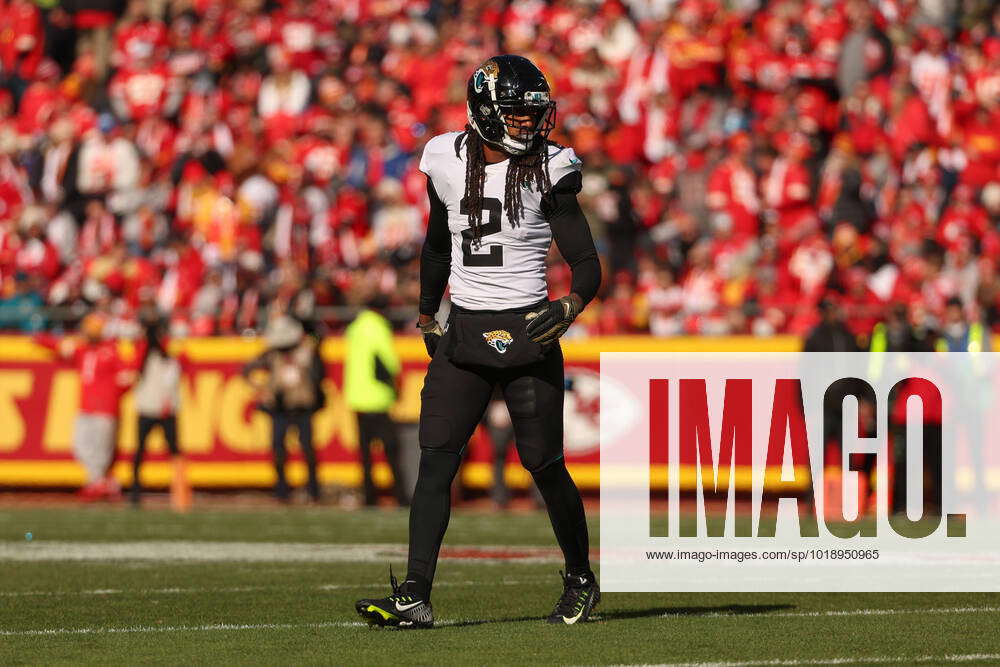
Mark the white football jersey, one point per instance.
(508, 269)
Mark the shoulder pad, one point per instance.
(563, 162)
(437, 150)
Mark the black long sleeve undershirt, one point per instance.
(569, 230)
(435, 257)
(572, 236)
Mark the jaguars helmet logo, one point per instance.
(487, 73)
(499, 340)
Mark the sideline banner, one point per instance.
(812, 472)
(228, 442)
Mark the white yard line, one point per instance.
(253, 589)
(870, 660)
(225, 627)
(215, 627)
(188, 550)
(146, 591)
(841, 612)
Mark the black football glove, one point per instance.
(432, 335)
(552, 320)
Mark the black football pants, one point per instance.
(453, 401)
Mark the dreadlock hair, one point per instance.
(530, 170)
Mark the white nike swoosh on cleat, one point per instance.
(571, 621)
(408, 607)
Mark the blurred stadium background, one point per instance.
(230, 162)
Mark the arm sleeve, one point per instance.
(572, 235)
(435, 258)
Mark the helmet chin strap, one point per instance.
(515, 146)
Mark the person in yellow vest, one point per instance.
(958, 334)
(906, 329)
(371, 367)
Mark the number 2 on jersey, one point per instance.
(491, 226)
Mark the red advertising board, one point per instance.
(228, 442)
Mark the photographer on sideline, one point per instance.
(157, 398)
(291, 394)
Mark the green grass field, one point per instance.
(277, 586)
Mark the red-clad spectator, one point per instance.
(182, 272)
(104, 376)
(694, 49)
(645, 73)
(810, 263)
(156, 138)
(910, 122)
(701, 284)
(9, 245)
(99, 232)
(661, 128)
(137, 35)
(36, 256)
(774, 299)
(930, 73)
(138, 275)
(12, 193)
(862, 307)
(864, 116)
(664, 305)
(732, 188)
(21, 38)
(319, 158)
(143, 89)
(299, 29)
(619, 314)
(961, 274)
(787, 187)
(962, 219)
(980, 142)
(42, 100)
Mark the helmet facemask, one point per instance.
(505, 126)
(522, 136)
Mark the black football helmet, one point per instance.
(507, 87)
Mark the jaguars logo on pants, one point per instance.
(499, 340)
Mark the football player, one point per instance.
(500, 193)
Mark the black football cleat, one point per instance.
(399, 610)
(580, 595)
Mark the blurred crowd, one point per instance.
(230, 160)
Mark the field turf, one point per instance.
(113, 585)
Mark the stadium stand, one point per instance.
(230, 159)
